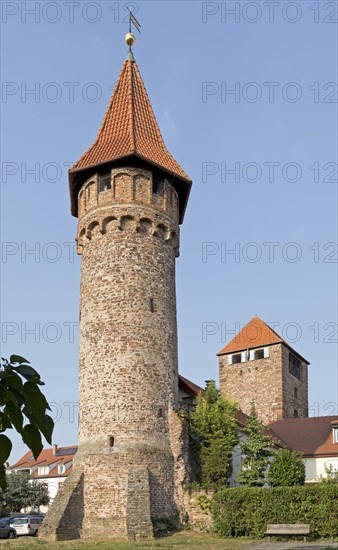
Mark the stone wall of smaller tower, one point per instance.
(259, 380)
(295, 390)
(268, 382)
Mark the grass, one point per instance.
(179, 541)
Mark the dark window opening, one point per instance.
(237, 358)
(294, 366)
(259, 354)
(295, 414)
(111, 441)
(158, 187)
(160, 413)
(151, 305)
(104, 183)
(295, 393)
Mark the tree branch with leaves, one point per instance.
(23, 407)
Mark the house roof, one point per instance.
(311, 436)
(255, 333)
(129, 128)
(242, 419)
(63, 455)
(189, 387)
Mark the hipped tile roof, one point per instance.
(312, 436)
(256, 333)
(129, 127)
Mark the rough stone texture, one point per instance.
(289, 383)
(64, 518)
(128, 236)
(179, 437)
(139, 524)
(198, 519)
(268, 382)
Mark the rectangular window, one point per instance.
(61, 469)
(335, 434)
(43, 470)
(259, 354)
(295, 366)
(158, 187)
(104, 182)
(237, 358)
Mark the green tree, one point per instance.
(22, 407)
(287, 469)
(213, 425)
(22, 492)
(255, 452)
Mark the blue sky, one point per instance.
(278, 131)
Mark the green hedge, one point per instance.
(246, 512)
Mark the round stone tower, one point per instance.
(130, 196)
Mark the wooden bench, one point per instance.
(276, 529)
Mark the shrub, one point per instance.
(247, 511)
(287, 469)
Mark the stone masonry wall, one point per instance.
(268, 382)
(128, 236)
(259, 380)
(65, 515)
(294, 400)
(197, 518)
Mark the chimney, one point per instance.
(55, 448)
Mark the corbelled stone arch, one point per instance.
(128, 223)
(161, 231)
(109, 224)
(146, 226)
(93, 229)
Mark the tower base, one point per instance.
(66, 520)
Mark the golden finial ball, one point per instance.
(130, 39)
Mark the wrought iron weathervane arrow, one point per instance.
(130, 37)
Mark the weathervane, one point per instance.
(130, 37)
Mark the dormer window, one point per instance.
(104, 183)
(335, 434)
(61, 469)
(43, 470)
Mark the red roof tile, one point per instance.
(311, 436)
(256, 333)
(46, 458)
(129, 128)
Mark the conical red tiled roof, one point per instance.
(130, 128)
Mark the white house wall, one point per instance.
(315, 467)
